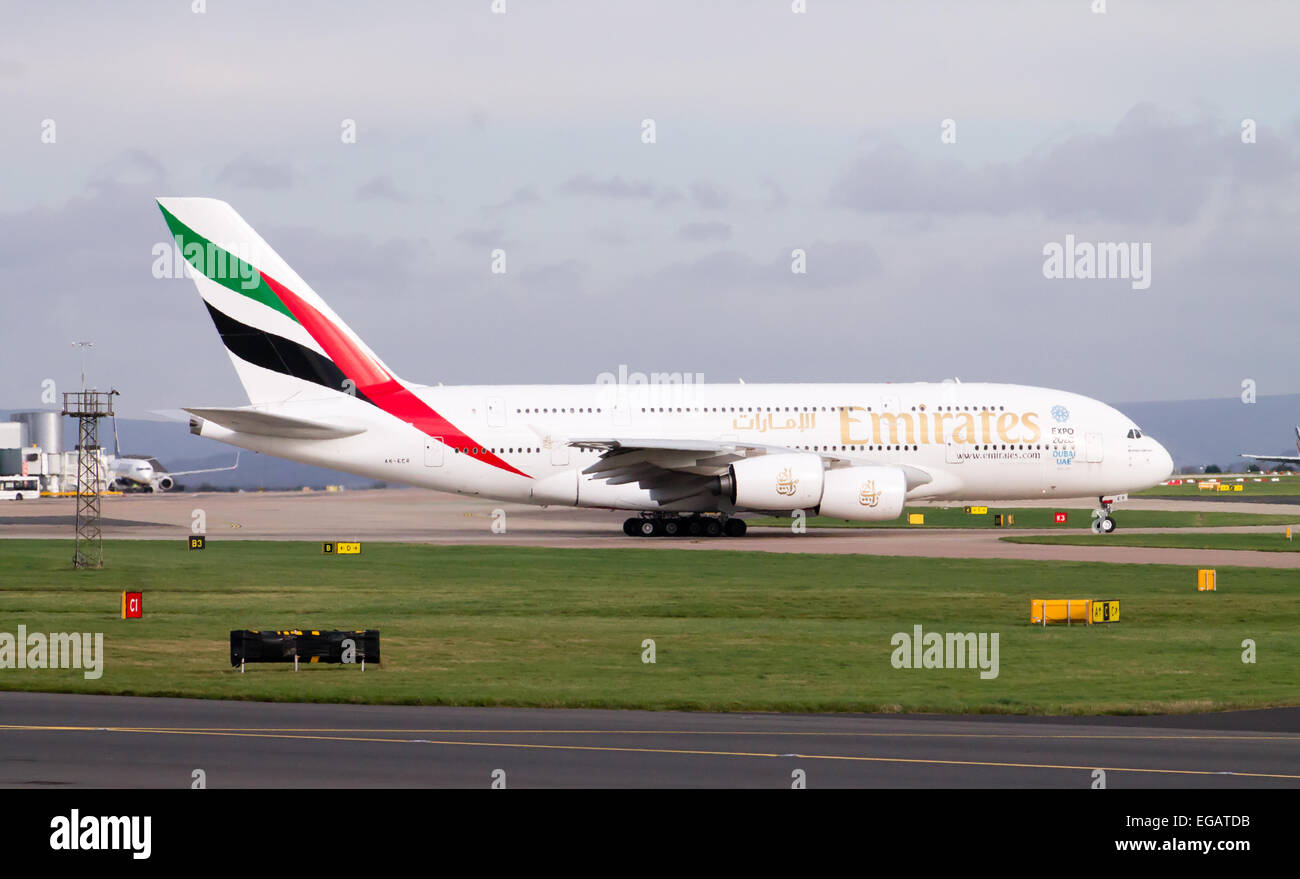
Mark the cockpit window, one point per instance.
(1134, 433)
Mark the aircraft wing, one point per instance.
(652, 462)
(655, 462)
(208, 470)
(1280, 459)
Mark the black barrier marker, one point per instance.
(287, 645)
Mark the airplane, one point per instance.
(144, 472)
(1280, 459)
(683, 459)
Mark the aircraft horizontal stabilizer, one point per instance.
(260, 423)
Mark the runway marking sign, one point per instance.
(339, 548)
(132, 605)
(198, 542)
(1105, 610)
(977, 511)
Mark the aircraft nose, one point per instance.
(1162, 463)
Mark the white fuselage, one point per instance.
(974, 441)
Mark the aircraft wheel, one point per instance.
(696, 526)
(672, 527)
(712, 527)
(648, 527)
(631, 527)
(735, 528)
(1107, 525)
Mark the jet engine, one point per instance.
(865, 494)
(775, 482)
(799, 481)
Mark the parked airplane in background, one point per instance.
(685, 458)
(1280, 459)
(144, 473)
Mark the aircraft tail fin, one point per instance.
(281, 336)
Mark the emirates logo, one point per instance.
(869, 495)
(786, 483)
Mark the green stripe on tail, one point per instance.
(220, 265)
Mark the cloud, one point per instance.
(480, 237)
(777, 199)
(1151, 167)
(355, 261)
(612, 235)
(709, 197)
(256, 174)
(521, 197)
(565, 277)
(710, 230)
(725, 273)
(614, 187)
(668, 196)
(381, 188)
(133, 167)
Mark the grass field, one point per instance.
(1286, 486)
(1276, 542)
(733, 630)
(1042, 517)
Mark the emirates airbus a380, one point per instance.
(684, 459)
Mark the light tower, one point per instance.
(88, 407)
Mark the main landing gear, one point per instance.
(658, 525)
(1102, 521)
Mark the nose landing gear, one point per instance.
(1102, 521)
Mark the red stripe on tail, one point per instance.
(377, 383)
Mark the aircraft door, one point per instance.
(622, 408)
(559, 453)
(433, 450)
(496, 412)
(1094, 448)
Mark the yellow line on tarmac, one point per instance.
(684, 752)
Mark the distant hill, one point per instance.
(177, 449)
(1196, 432)
(1201, 432)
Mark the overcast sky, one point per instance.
(774, 131)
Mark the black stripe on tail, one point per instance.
(279, 354)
